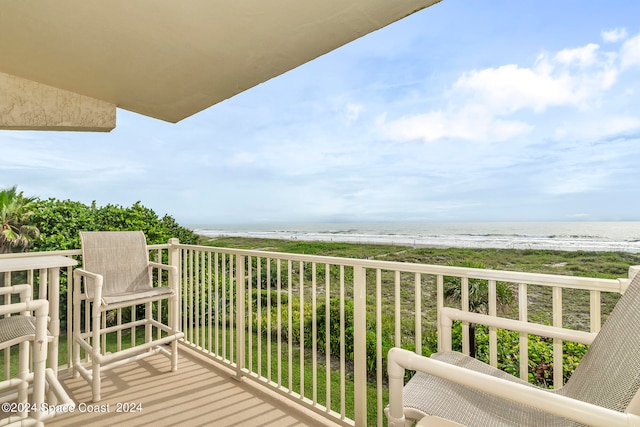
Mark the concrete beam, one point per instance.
(28, 105)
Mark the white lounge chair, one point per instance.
(116, 273)
(451, 387)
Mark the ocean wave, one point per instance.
(463, 239)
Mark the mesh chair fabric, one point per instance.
(15, 327)
(159, 292)
(120, 257)
(435, 396)
(609, 373)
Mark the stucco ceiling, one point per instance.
(170, 59)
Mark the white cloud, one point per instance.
(614, 35)
(242, 158)
(472, 123)
(606, 126)
(510, 88)
(581, 182)
(489, 104)
(618, 125)
(353, 112)
(579, 215)
(582, 56)
(36, 157)
(570, 77)
(630, 53)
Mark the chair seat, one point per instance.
(442, 398)
(159, 292)
(16, 329)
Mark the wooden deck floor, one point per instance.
(200, 393)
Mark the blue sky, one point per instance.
(465, 111)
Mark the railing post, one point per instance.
(558, 374)
(633, 270)
(360, 345)
(240, 321)
(174, 252)
(175, 315)
(439, 307)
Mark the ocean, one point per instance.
(570, 236)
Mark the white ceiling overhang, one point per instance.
(170, 59)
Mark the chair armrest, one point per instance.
(163, 266)
(39, 306)
(85, 273)
(577, 410)
(448, 315)
(173, 273)
(24, 290)
(97, 284)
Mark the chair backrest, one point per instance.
(121, 257)
(609, 373)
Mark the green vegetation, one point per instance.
(52, 224)
(18, 231)
(610, 265)
(60, 222)
(345, 250)
(478, 291)
(540, 354)
(478, 297)
(48, 225)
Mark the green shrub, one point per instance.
(478, 290)
(60, 222)
(540, 353)
(335, 338)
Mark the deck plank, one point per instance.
(200, 393)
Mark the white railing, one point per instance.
(265, 315)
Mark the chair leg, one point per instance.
(96, 382)
(75, 352)
(148, 330)
(40, 352)
(97, 318)
(174, 355)
(23, 372)
(39, 384)
(76, 358)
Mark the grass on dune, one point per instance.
(610, 265)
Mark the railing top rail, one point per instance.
(158, 246)
(67, 252)
(605, 285)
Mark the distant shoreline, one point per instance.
(353, 242)
(462, 240)
(581, 263)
